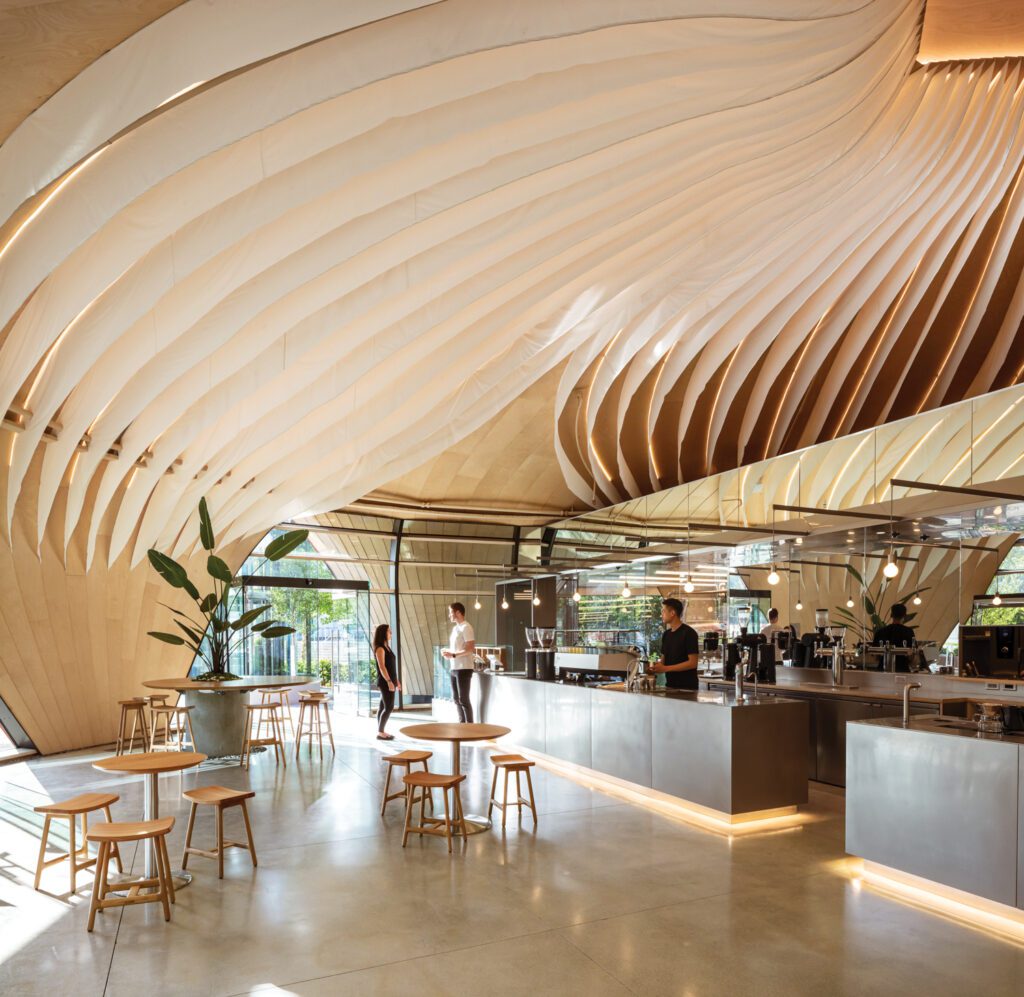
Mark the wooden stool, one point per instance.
(221, 798)
(136, 709)
(85, 804)
(426, 781)
(157, 700)
(181, 715)
(277, 697)
(517, 764)
(310, 704)
(257, 711)
(406, 759)
(109, 836)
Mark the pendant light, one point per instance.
(626, 591)
(476, 604)
(576, 596)
(891, 569)
(997, 599)
(688, 584)
(773, 575)
(504, 603)
(917, 588)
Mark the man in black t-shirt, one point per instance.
(679, 649)
(898, 634)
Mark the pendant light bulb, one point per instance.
(626, 592)
(996, 600)
(576, 596)
(799, 605)
(504, 603)
(688, 585)
(799, 540)
(849, 603)
(891, 569)
(917, 600)
(536, 600)
(773, 576)
(476, 605)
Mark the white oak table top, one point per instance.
(246, 684)
(150, 762)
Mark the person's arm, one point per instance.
(470, 638)
(382, 668)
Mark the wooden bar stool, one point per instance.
(82, 805)
(254, 712)
(508, 764)
(281, 698)
(221, 798)
(426, 781)
(136, 709)
(181, 715)
(108, 836)
(310, 706)
(159, 699)
(406, 760)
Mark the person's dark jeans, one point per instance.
(462, 680)
(386, 705)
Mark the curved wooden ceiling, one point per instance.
(305, 255)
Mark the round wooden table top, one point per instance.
(151, 761)
(455, 732)
(246, 684)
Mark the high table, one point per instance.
(218, 715)
(456, 734)
(151, 764)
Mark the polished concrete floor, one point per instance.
(602, 898)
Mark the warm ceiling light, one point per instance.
(688, 586)
(536, 600)
(799, 604)
(576, 597)
(996, 600)
(773, 576)
(849, 603)
(504, 603)
(626, 593)
(798, 540)
(476, 605)
(917, 600)
(891, 569)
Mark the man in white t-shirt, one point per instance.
(460, 652)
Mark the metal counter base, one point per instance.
(939, 803)
(702, 751)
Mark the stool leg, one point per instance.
(131, 741)
(319, 730)
(279, 734)
(408, 814)
(191, 736)
(162, 842)
(72, 850)
(298, 730)
(462, 816)
(94, 903)
(330, 733)
(387, 786)
(162, 878)
(248, 834)
(494, 786)
(447, 820)
(153, 718)
(122, 727)
(246, 748)
(42, 849)
(529, 787)
(116, 851)
(519, 798)
(220, 841)
(188, 836)
(504, 809)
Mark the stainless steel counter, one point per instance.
(938, 801)
(701, 747)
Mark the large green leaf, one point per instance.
(263, 625)
(276, 632)
(856, 574)
(248, 616)
(195, 635)
(166, 638)
(168, 569)
(218, 569)
(285, 544)
(205, 526)
(209, 601)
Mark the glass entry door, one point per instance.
(331, 642)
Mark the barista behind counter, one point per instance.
(679, 649)
(898, 634)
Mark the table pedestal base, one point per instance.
(218, 721)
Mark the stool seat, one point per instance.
(217, 794)
(83, 804)
(312, 695)
(512, 762)
(405, 757)
(131, 830)
(432, 780)
(134, 701)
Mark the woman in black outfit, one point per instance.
(386, 675)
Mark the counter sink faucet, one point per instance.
(906, 701)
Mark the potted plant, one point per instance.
(872, 602)
(215, 636)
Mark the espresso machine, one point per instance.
(540, 653)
